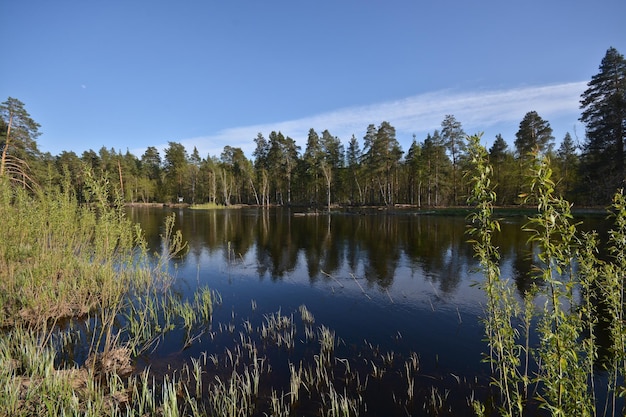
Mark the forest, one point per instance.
(324, 172)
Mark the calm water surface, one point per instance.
(400, 282)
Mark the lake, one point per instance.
(392, 286)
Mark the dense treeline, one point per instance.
(373, 170)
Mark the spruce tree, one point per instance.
(533, 137)
(567, 167)
(353, 159)
(312, 158)
(501, 159)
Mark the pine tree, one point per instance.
(415, 170)
(453, 137)
(437, 165)
(603, 107)
(282, 158)
(194, 173)
(381, 158)
(18, 134)
(534, 135)
(332, 161)
(261, 167)
(498, 150)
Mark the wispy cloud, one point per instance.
(477, 111)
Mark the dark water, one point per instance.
(404, 282)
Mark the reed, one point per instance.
(411, 366)
(436, 402)
(306, 316)
(295, 381)
(82, 264)
(327, 344)
(337, 405)
(279, 329)
(279, 408)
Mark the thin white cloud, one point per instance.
(476, 110)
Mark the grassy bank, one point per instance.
(80, 298)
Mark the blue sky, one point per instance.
(132, 74)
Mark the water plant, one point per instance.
(79, 299)
(574, 289)
(502, 308)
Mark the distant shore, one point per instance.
(506, 211)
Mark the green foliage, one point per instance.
(567, 167)
(18, 146)
(87, 265)
(603, 106)
(502, 308)
(562, 374)
(612, 293)
(505, 171)
(534, 135)
(453, 135)
(381, 157)
(569, 280)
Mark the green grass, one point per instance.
(64, 264)
(207, 206)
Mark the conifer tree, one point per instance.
(534, 134)
(603, 107)
(176, 170)
(353, 159)
(453, 136)
(18, 146)
(261, 167)
(502, 161)
(312, 158)
(567, 167)
(533, 137)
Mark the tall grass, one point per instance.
(66, 266)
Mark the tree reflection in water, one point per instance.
(397, 282)
(370, 245)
